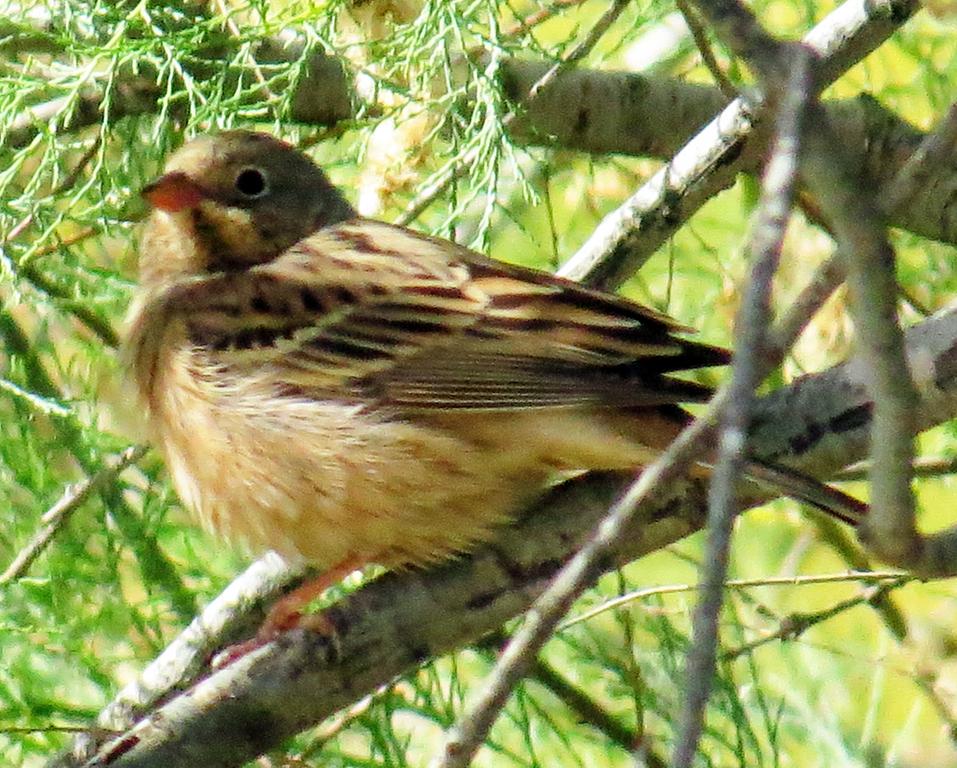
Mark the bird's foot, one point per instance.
(276, 624)
(287, 614)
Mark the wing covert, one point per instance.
(378, 314)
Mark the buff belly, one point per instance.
(325, 481)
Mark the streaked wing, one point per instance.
(378, 314)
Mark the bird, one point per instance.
(345, 391)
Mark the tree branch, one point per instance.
(615, 112)
(709, 162)
(819, 424)
(791, 92)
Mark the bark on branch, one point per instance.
(586, 110)
(818, 424)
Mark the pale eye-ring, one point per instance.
(251, 183)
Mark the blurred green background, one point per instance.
(129, 570)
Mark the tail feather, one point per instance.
(800, 487)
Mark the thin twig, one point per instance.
(535, 18)
(64, 242)
(934, 149)
(700, 36)
(68, 181)
(577, 700)
(825, 280)
(38, 403)
(588, 710)
(55, 517)
(430, 193)
(889, 529)
(49, 728)
(342, 720)
(925, 466)
(796, 624)
(101, 328)
(754, 317)
(767, 581)
(581, 50)
(235, 31)
(459, 168)
(923, 163)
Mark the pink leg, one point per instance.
(286, 613)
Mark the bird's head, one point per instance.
(230, 201)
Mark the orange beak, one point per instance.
(173, 192)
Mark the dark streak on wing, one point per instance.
(478, 381)
(378, 314)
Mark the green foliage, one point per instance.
(120, 84)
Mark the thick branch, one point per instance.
(819, 424)
(709, 162)
(592, 111)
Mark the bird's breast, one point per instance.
(324, 480)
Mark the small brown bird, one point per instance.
(345, 391)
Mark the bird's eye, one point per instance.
(251, 183)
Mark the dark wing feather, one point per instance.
(378, 314)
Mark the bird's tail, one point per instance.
(806, 489)
(658, 427)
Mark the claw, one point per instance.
(287, 614)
